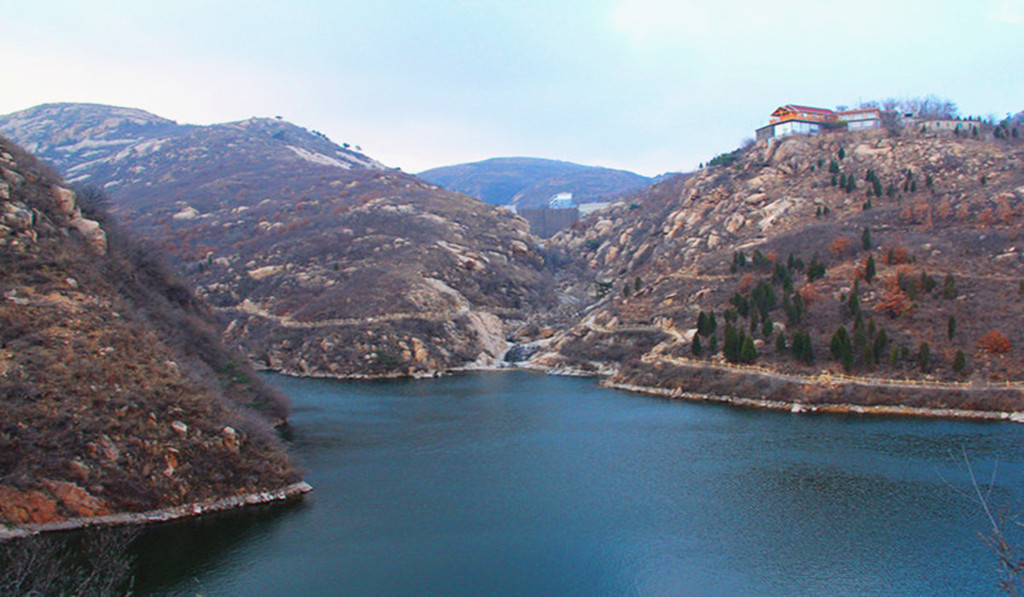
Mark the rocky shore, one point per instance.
(292, 492)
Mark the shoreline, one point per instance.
(292, 492)
(756, 403)
(833, 408)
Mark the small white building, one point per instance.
(862, 119)
(561, 200)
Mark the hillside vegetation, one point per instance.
(319, 260)
(865, 255)
(116, 392)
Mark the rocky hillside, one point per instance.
(844, 254)
(116, 393)
(319, 260)
(531, 182)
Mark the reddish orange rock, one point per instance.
(20, 506)
(77, 501)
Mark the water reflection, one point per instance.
(181, 554)
(513, 483)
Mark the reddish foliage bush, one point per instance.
(896, 256)
(894, 300)
(808, 293)
(995, 342)
(746, 283)
(840, 245)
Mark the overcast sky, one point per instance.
(644, 85)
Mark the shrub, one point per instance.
(949, 287)
(840, 245)
(995, 342)
(896, 256)
(816, 271)
(894, 300)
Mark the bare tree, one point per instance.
(1009, 554)
(96, 562)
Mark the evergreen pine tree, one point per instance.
(853, 302)
(806, 350)
(960, 361)
(949, 287)
(840, 345)
(951, 326)
(870, 269)
(880, 344)
(865, 239)
(748, 353)
(730, 344)
(695, 346)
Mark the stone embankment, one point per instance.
(795, 407)
(291, 492)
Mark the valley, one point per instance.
(862, 269)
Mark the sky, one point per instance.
(650, 86)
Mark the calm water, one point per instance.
(521, 484)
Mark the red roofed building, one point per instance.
(792, 119)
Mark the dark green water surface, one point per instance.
(521, 484)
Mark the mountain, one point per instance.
(531, 182)
(909, 244)
(320, 260)
(116, 392)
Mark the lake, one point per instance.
(514, 483)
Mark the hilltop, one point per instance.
(910, 244)
(320, 260)
(116, 392)
(531, 182)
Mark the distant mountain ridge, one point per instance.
(531, 182)
(322, 261)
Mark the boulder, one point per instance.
(735, 222)
(65, 199)
(95, 236)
